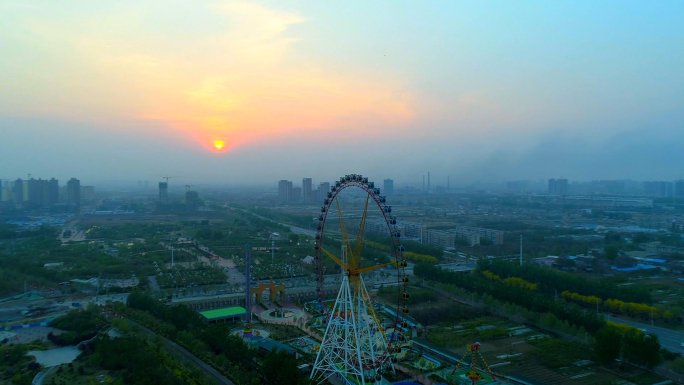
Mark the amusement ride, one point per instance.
(473, 375)
(355, 345)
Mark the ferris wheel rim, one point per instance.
(358, 181)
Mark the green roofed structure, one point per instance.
(223, 314)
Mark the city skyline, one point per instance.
(480, 92)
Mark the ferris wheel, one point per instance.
(356, 345)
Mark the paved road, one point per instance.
(40, 377)
(669, 339)
(206, 368)
(294, 229)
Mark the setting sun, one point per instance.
(218, 144)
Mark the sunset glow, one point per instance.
(461, 85)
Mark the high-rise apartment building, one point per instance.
(307, 186)
(388, 187)
(558, 187)
(323, 189)
(658, 188)
(74, 191)
(562, 187)
(53, 187)
(41, 193)
(88, 192)
(6, 194)
(192, 201)
(18, 192)
(35, 192)
(163, 193)
(553, 187)
(296, 194)
(284, 191)
(679, 188)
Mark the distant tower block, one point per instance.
(428, 181)
(163, 192)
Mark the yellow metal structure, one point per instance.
(351, 262)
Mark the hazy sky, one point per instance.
(479, 90)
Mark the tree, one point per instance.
(294, 238)
(122, 325)
(279, 367)
(611, 252)
(649, 353)
(613, 238)
(678, 365)
(607, 344)
(17, 353)
(641, 349)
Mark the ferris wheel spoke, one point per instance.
(367, 269)
(358, 243)
(343, 229)
(334, 258)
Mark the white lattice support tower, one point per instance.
(352, 337)
(373, 343)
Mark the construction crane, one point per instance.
(188, 187)
(167, 178)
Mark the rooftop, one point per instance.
(224, 312)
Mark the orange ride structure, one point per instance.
(473, 375)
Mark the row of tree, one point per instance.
(532, 300)
(637, 309)
(512, 281)
(420, 258)
(587, 299)
(551, 280)
(615, 305)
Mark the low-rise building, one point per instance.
(266, 345)
(495, 237)
(441, 238)
(549, 260)
(54, 265)
(657, 247)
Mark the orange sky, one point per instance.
(243, 81)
